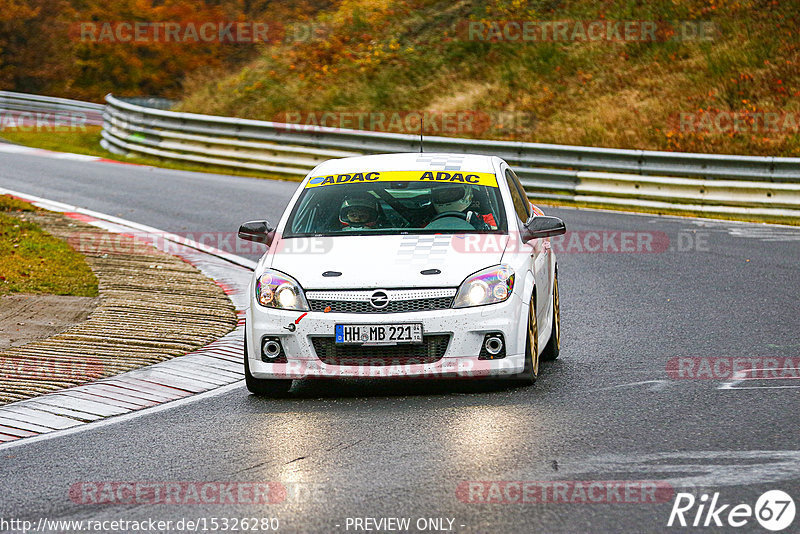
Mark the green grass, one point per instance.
(79, 142)
(33, 261)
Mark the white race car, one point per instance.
(403, 265)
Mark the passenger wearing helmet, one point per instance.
(358, 212)
(456, 200)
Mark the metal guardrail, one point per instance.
(20, 105)
(754, 186)
(525, 156)
(151, 102)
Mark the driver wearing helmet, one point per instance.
(457, 199)
(358, 212)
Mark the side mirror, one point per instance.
(543, 226)
(257, 231)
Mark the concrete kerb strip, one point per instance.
(218, 365)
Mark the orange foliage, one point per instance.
(43, 49)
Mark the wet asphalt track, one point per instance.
(606, 410)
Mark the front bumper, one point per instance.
(466, 327)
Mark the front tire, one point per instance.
(553, 347)
(261, 387)
(531, 370)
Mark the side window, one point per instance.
(518, 197)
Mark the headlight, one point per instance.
(488, 286)
(277, 290)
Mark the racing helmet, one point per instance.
(451, 197)
(359, 211)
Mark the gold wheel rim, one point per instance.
(533, 336)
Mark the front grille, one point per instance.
(431, 350)
(400, 306)
(400, 300)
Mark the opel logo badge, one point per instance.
(379, 300)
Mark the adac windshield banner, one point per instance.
(478, 178)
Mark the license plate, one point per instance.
(378, 334)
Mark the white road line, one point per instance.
(97, 408)
(208, 371)
(98, 397)
(35, 415)
(23, 425)
(741, 376)
(123, 418)
(60, 410)
(763, 387)
(117, 395)
(153, 397)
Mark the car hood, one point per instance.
(393, 261)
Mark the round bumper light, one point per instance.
(494, 346)
(271, 349)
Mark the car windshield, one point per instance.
(398, 202)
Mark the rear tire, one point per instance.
(553, 347)
(261, 387)
(531, 370)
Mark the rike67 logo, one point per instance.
(774, 510)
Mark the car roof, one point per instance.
(411, 161)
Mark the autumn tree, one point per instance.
(44, 50)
